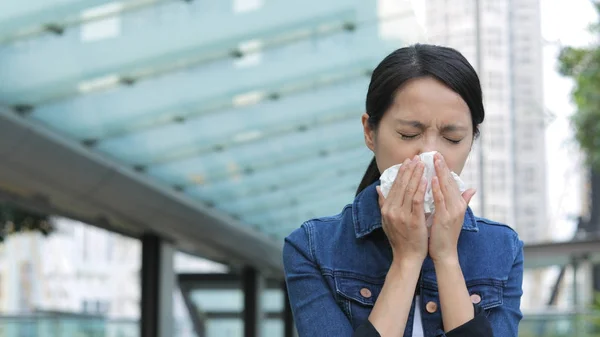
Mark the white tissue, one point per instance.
(388, 176)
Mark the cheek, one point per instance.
(390, 150)
(456, 157)
(458, 161)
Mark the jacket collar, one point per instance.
(366, 214)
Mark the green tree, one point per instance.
(582, 64)
(16, 220)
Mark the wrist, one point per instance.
(407, 263)
(450, 260)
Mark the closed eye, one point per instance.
(453, 141)
(408, 137)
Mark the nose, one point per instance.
(430, 143)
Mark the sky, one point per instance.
(564, 22)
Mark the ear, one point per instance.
(369, 133)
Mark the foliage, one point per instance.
(583, 66)
(16, 220)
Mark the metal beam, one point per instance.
(220, 281)
(69, 177)
(31, 15)
(35, 18)
(561, 253)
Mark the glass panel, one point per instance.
(233, 327)
(272, 300)
(234, 127)
(148, 43)
(58, 325)
(272, 328)
(218, 300)
(291, 151)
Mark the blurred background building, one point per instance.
(503, 40)
(176, 143)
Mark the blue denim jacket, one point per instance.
(329, 262)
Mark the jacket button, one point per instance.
(366, 293)
(431, 307)
(475, 298)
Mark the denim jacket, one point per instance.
(335, 268)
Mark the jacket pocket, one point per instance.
(487, 292)
(356, 294)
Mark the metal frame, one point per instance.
(44, 169)
(251, 282)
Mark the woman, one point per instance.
(373, 269)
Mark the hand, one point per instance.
(403, 215)
(449, 215)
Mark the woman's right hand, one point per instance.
(403, 213)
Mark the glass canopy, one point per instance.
(251, 107)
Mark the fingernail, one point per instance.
(416, 158)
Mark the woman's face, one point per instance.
(425, 116)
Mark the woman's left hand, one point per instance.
(449, 215)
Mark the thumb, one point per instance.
(468, 194)
(381, 197)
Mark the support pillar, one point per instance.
(252, 285)
(157, 284)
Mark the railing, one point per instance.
(73, 326)
(560, 324)
(533, 325)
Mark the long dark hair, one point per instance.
(420, 60)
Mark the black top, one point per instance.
(479, 326)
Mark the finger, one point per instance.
(468, 194)
(381, 198)
(402, 180)
(397, 185)
(418, 200)
(447, 184)
(438, 196)
(413, 185)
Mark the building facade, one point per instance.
(502, 39)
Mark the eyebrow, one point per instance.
(419, 125)
(415, 124)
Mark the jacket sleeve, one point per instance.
(502, 321)
(315, 310)
(505, 319)
(479, 326)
